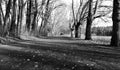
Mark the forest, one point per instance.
(59, 35)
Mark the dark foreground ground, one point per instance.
(58, 54)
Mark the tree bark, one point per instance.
(12, 31)
(89, 22)
(77, 29)
(71, 30)
(19, 17)
(46, 12)
(6, 19)
(28, 15)
(34, 23)
(115, 40)
(0, 24)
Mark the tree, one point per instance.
(31, 16)
(34, 21)
(6, 18)
(28, 15)
(80, 16)
(47, 8)
(1, 18)
(115, 41)
(57, 17)
(12, 30)
(94, 13)
(89, 22)
(21, 6)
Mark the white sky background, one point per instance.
(97, 22)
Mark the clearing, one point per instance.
(59, 53)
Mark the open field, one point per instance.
(59, 53)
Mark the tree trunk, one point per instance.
(89, 22)
(45, 16)
(115, 40)
(76, 31)
(80, 33)
(19, 17)
(71, 31)
(88, 30)
(34, 22)
(28, 15)
(12, 31)
(6, 19)
(0, 24)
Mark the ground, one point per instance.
(59, 53)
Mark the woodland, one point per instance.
(59, 35)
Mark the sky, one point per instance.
(67, 1)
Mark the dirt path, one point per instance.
(58, 55)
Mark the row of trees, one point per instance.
(16, 13)
(12, 16)
(36, 16)
(115, 40)
(87, 12)
(102, 31)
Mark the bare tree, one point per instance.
(28, 15)
(89, 22)
(21, 6)
(93, 14)
(115, 41)
(6, 18)
(34, 21)
(12, 30)
(80, 16)
(1, 18)
(47, 7)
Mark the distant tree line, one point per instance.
(102, 31)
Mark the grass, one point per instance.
(59, 54)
